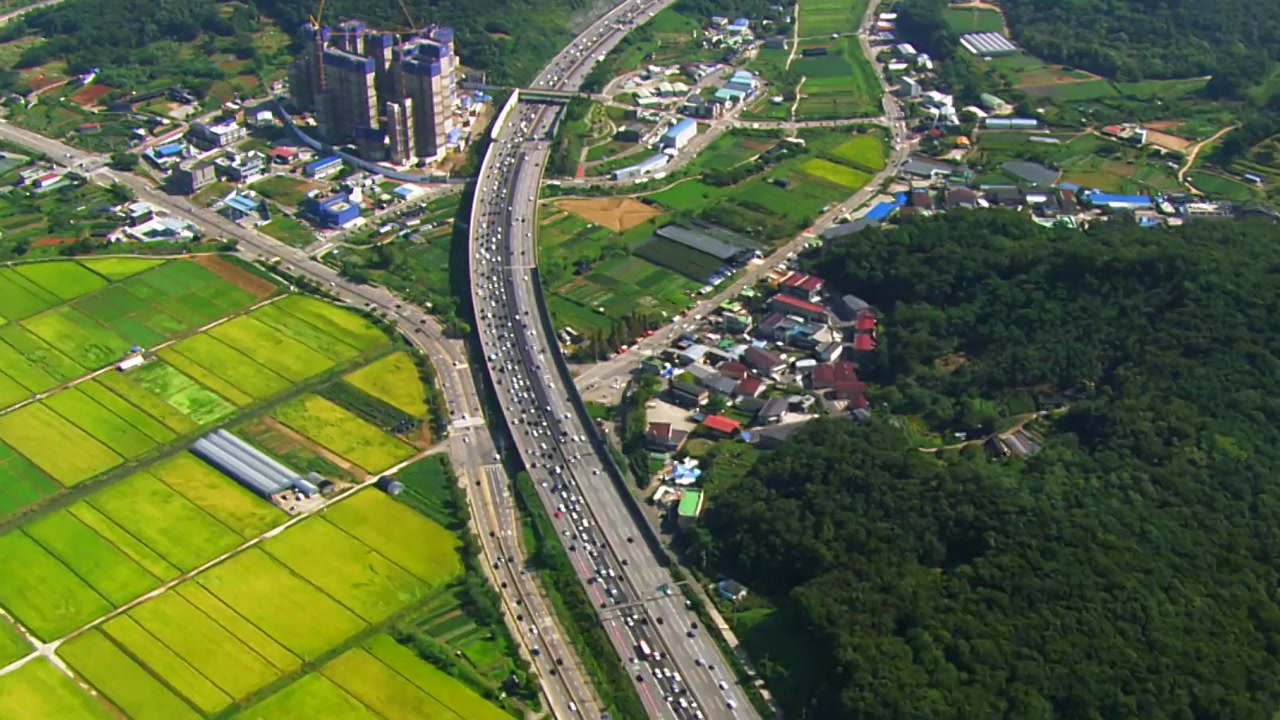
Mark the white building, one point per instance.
(680, 134)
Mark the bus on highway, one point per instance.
(644, 649)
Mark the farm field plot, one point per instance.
(92, 557)
(166, 522)
(105, 426)
(289, 231)
(19, 297)
(222, 361)
(838, 174)
(283, 355)
(43, 437)
(252, 637)
(327, 344)
(198, 403)
(165, 663)
(40, 690)
(687, 195)
(12, 644)
(132, 415)
(37, 360)
(21, 482)
(119, 268)
(41, 593)
(1073, 91)
(283, 189)
(251, 584)
(311, 696)
(203, 644)
(404, 536)
(219, 496)
(448, 691)
(381, 688)
(85, 342)
(349, 571)
(122, 680)
(864, 151)
(617, 214)
(352, 328)
(11, 392)
(823, 17)
(131, 546)
(394, 380)
(339, 430)
(841, 84)
(124, 386)
(64, 279)
(683, 259)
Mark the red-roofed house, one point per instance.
(805, 287)
(283, 155)
(763, 361)
(721, 425)
(864, 342)
(664, 438)
(749, 387)
(733, 369)
(866, 321)
(795, 306)
(842, 377)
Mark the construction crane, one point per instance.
(318, 48)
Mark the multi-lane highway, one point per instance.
(678, 669)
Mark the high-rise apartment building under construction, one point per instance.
(391, 93)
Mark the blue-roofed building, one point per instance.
(881, 211)
(238, 206)
(1116, 202)
(900, 198)
(334, 212)
(652, 164)
(680, 134)
(166, 155)
(324, 167)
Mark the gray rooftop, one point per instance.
(699, 241)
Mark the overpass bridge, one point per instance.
(536, 95)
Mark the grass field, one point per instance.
(971, 20)
(40, 690)
(394, 380)
(862, 151)
(349, 571)
(407, 538)
(45, 596)
(122, 680)
(166, 522)
(289, 231)
(687, 195)
(282, 189)
(337, 429)
(252, 583)
(838, 174)
(822, 17)
(1073, 91)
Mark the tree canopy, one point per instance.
(1128, 570)
(1133, 39)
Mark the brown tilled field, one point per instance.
(89, 95)
(1167, 141)
(617, 214)
(237, 276)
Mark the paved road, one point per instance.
(470, 447)
(678, 669)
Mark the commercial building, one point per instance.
(393, 94)
(334, 212)
(649, 165)
(208, 137)
(680, 134)
(190, 176)
(323, 168)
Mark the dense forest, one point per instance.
(510, 41)
(1128, 570)
(1129, 40)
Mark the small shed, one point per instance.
(389, 485)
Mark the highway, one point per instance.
(470, 446)
(678, 669)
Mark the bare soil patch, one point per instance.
(243, 279)
(1167, 141)
(1162, 124)
(617, 214)
(89, 95)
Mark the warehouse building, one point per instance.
(988, 44)
(680, 134)
(252, 468)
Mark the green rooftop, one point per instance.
(690, 503)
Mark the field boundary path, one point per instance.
(50, 649)
(1194, 151)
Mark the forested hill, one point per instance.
(1131, 570)
(1134, 39)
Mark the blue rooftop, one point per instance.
(882, 211)
(740, 22)
(323, 162)
(1098, 198)
(242, 203)
(170, 149)
(681, 126)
